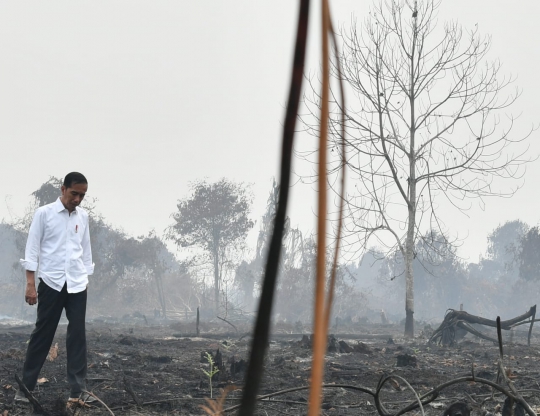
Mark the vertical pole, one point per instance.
(532, 323)
(320, 338)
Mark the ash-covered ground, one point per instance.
(142, 367)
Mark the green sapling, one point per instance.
(213, 371)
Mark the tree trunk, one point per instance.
(409, 243)
(216, 282)
(161, 294)
(248, 290)
(409, 279)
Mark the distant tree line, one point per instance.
(218, 273)
(503, 281)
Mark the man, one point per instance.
(59, 243)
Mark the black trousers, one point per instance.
(49, 311)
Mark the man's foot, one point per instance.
(20, 397)
(83, 397)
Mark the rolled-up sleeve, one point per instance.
(87, 250)
(31, 254)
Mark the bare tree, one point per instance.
(426, 124)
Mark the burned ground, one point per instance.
(161, 367)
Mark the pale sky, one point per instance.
(144, 97)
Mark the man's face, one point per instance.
(73, 196)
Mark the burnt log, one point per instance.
(406, 360)
(512, 408)
(455, 321)
(457, 409)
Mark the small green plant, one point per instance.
(213, 371)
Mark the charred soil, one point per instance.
(140, 368)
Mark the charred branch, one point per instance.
(446, 333)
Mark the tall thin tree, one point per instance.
(426, 125)
(214, 218)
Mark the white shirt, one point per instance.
(60, 244)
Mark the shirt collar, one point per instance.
(60, 207)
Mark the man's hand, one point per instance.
(31, 295)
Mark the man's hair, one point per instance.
(73, 178)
